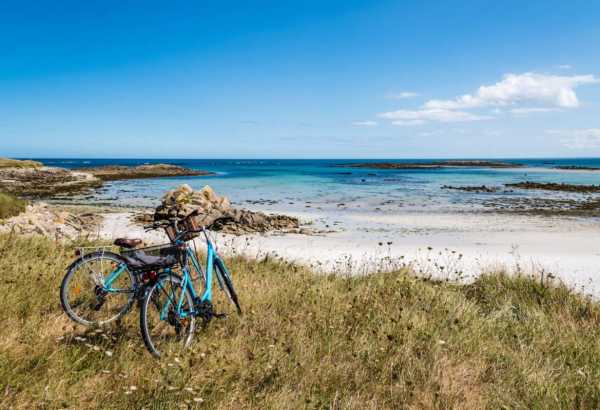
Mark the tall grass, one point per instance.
(389, 340)
(11, 205)
(17, 163)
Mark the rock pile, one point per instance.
(41, 219)
(216, 213)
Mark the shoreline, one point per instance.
(454, 246)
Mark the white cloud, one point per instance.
(579, 138)
(555, 90)
(416, 117)
(367, 123)
(408, 123)
(531, 110)
(402, 95)
(564, 66)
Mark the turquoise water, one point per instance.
(294, 183)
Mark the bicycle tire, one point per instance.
(228, 285)
(149, 304)
(66, 300)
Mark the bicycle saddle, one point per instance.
(127, 243)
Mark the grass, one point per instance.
(388, 340)
(17, 163)
(11, 206)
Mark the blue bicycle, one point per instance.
(171, 305)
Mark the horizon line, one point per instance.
(302, 158)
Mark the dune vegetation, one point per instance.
(19, 163)
(11, 205)
(388, 340)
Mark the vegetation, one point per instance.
(17, 163)
(11, 206)
(387, 340)
(117, 172)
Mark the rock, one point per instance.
(217, 214)
(432, 164)
(118, 172)
(577, 168)
(36, 182)
(482, 188)
(552, 186)
(41, 219)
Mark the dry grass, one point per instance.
(307, 341)
(11, 206)
(18, 163)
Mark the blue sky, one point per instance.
(306, 79)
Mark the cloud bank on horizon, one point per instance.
(552, 92)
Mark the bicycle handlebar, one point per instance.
(173, 222)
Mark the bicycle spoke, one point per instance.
(84, 297)
(163, 327)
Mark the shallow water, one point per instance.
(293, 183)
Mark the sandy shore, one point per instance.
(444, 245)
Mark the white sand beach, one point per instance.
(443, 245)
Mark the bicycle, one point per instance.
(171, 304)
(100, 286)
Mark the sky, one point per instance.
(300, 79)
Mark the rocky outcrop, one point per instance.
(433, 164)
(32, 179)
(41, 219)
(36, 182)
(475, 189)
(577, 168)
(552, 186)
(217, 214)
(118, 172)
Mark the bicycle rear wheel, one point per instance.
(167, 321)
(84, 296)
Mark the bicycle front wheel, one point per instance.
(85, 296)
(167, 316)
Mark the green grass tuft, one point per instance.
(307, 341)
(18, 163)
(11, 206)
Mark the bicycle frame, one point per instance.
(112, 277)
(212, 259)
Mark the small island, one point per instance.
(433, 164)
(118, 172)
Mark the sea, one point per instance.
(295, 185)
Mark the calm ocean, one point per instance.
(293, 183)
